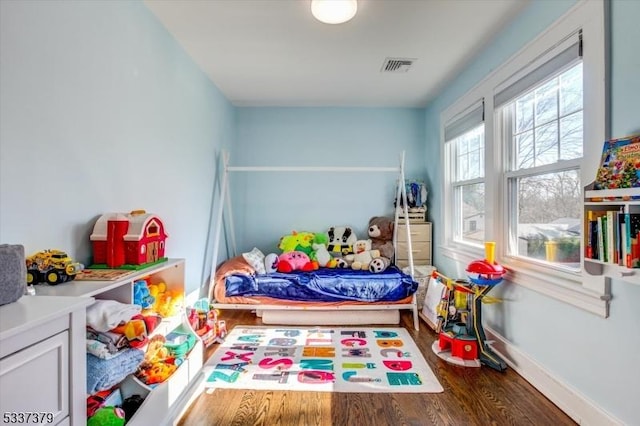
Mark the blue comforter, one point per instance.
(325, 285)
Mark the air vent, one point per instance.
(397, 64)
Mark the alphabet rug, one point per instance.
(325, 359)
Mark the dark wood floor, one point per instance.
(472, 396)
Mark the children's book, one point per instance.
(633, 256)
(620, 164)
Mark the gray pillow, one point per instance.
(13, 273)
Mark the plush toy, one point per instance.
(341, 240)
(322, 255)
(158, 372)
(271, 263)
(167, 302)
(363, 255)
(297, 241)
(379, 264)
(156, 351)
(338, 263)
(294, 261)
(141, 294)
(381, 234)
(107, 416)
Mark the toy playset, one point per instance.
(128, 240)
(206, 322)
(461, 338)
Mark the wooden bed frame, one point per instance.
(289, 314)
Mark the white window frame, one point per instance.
(468, 120)
(580, 289)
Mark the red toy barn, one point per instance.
(135, 238)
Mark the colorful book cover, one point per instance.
(590, 234)
(620, 164)
(634, 252)
(602, 250)
(622, 242)
(611, 237)
(627, 237)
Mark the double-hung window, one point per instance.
(519, 148)
(465, 135)
(539, 124)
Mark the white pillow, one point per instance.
(255, 258)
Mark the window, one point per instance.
(542, 134)
(519, 148)
(465, 137)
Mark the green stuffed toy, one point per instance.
(313, 245)
(107, 416)
(297, 241)
(320, 253)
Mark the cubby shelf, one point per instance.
(162, 402)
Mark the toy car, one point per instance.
(51, 266)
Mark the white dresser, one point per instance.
(43, 360)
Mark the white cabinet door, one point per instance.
(36, 380)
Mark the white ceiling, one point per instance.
(274, 53)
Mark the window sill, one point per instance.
(571, 291)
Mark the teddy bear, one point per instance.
(381, 234)
(362, 256)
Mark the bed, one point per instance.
(238, 286)
(321, 297)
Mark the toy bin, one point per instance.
(179, 342)
(421, 274)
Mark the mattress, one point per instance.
(324, 285)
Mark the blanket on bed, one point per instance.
(325, 285)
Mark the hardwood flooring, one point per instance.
(472, 396)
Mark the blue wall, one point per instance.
(269, 205)
(101, 111)
(593, 355)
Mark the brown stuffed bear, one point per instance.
(381, 235)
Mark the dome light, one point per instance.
(334, 11)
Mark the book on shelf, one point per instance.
(613, 236)
(592, 244)
(612, 217)
(623, 243)
(633, 258)
(620, 164)
(601, 230)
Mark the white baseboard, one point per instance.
(581, 409)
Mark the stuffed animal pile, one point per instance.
(338, 247)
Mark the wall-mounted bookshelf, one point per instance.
(611, 232)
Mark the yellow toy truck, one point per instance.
(51, 266)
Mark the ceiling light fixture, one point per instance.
(334, 11)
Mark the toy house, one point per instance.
(128, 239)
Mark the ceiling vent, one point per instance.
(397, 64)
